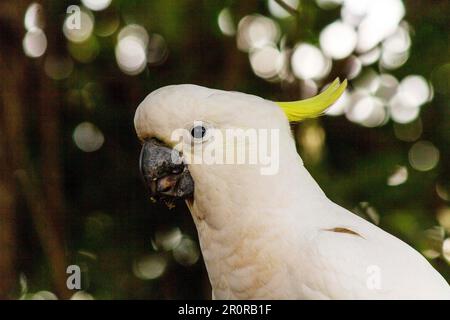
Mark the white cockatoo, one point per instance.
(269, 234)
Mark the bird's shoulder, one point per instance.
(350, 258)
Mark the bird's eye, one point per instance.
(198, 132)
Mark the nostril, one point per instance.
(166, 184)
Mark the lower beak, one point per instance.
(164, 172)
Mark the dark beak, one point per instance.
(164, 172)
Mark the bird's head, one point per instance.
(192, 135)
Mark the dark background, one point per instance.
(71, 193)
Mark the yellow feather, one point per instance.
(311, 108)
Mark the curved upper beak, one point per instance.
(164, 172)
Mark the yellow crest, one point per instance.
(299, 110)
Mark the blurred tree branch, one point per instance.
(48, 233)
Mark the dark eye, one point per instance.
(198, 132)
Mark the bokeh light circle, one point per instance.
(34, 43)
(96, 5)
(423, 156)
(308, 62)
(338, 40)
(88, 137)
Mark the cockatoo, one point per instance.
(269, 235)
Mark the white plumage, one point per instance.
(279, 236)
